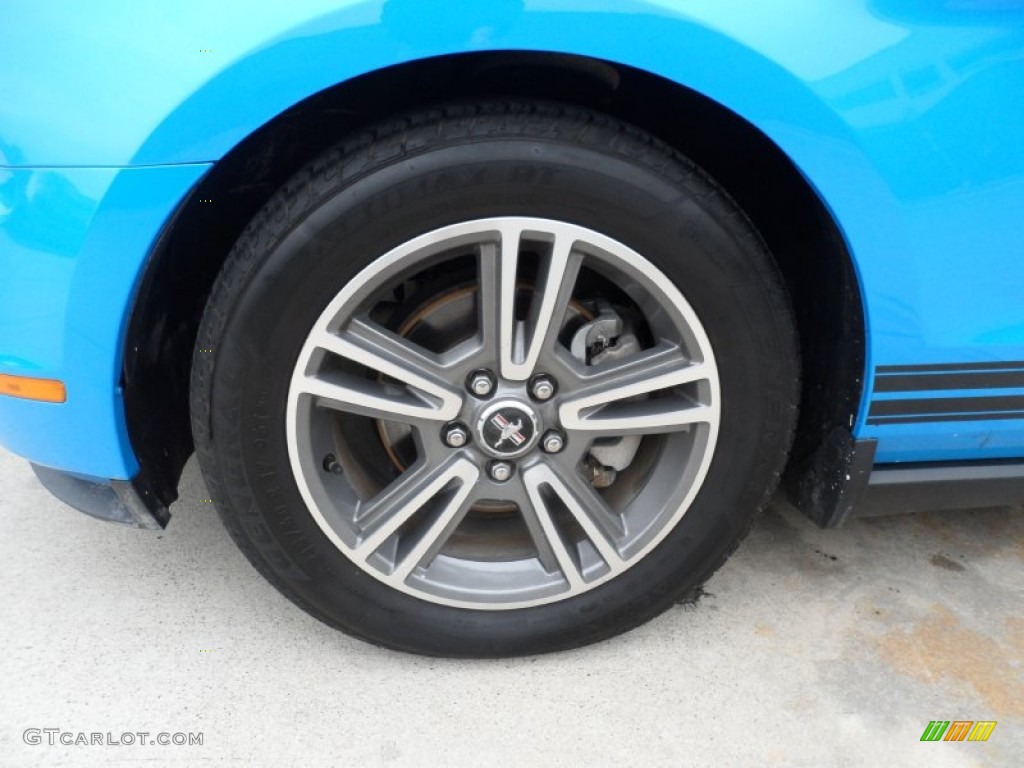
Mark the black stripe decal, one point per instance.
(934, 405)
(995, 416)
(947, 377)
(922, 382)
(951, 367)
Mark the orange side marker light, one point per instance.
(47, 390)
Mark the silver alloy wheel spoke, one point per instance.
(432, 540)
(542, 476)
(606, 520)
(400, 501)
(520, 342)
(661, 367)
(444, 530)
(389, 355)
(553, 542)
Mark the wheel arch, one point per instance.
(782, 203)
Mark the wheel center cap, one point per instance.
(507, 428)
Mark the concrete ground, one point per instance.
(812, 648)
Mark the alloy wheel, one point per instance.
(503, 413)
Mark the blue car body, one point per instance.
(904, 117)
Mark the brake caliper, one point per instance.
(604, 339)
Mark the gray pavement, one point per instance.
(813, 648)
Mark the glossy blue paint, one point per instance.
(72, 246)
(903, 114)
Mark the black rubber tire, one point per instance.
(430, 169)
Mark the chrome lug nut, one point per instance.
(500, 471)
(481, 383)
(553, 441)
(455, 435)
(542, 387)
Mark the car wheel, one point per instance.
(494, 379)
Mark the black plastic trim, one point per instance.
(155, 399)
(829, 484)
(117, 501)
(896, 489)
(843, 483)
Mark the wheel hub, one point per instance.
(507, 429)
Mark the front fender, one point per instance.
(863, 97)
(123, 86)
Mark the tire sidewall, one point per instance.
(342, 217)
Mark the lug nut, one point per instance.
(455, 435)
(542, 387)
(480, 383)
(500, 471)
(553, 441)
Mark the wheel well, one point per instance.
(195, 243)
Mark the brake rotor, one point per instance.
(443, 320)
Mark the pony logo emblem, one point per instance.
(510, 430)
(507, 429)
